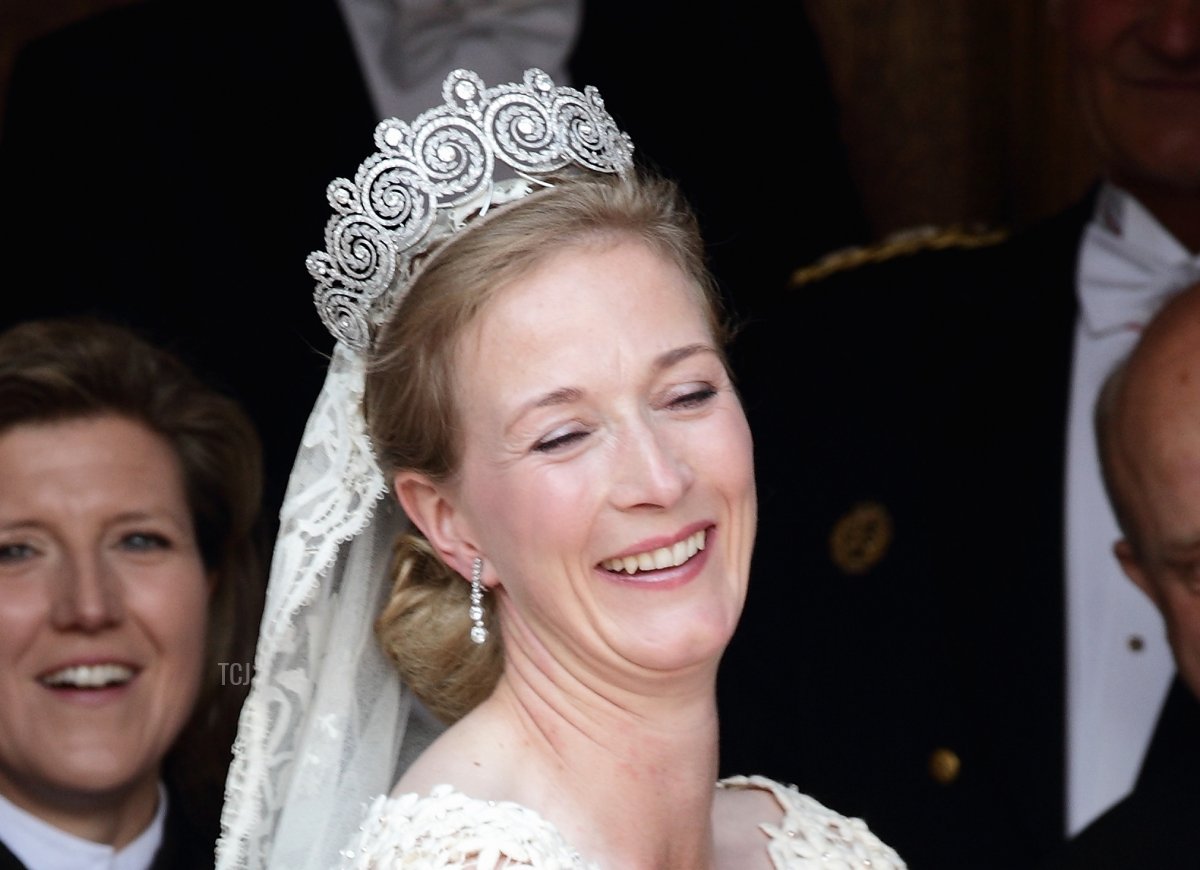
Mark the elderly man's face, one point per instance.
(1137, 65)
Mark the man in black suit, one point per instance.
(935, 620)
(1148, 432)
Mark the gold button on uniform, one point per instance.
(944, 765)
(861, 538)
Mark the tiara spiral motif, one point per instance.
(429, 176)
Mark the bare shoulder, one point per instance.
(755, 817)
(469, 755)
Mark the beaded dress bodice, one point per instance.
(447, 829)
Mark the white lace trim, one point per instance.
(812, 835)
(447, 829)
(299, 736)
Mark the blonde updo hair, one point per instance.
(410, 387)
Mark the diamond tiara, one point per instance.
(429, 177)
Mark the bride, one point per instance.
(544, 390)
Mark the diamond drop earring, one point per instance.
(479, 632)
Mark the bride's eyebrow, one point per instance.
(678, 354)
(567, 395)
(561, 396)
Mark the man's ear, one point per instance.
(429, 505)
(1133, 569)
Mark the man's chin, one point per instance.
(1169, 168)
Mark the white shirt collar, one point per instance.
(1118, 662)
(42, 846)
(405, 48)
(1129, 264)
(1121, 213)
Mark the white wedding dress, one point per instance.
(447, 829)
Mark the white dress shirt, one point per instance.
(405, 48)
(41, 846)
(1119, 665)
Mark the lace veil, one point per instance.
(324, 727)
(328, 725)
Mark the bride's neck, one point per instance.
(627, 775)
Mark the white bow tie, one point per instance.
(1122, 286)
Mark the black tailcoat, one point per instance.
(1156, 824)
(906, 664)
